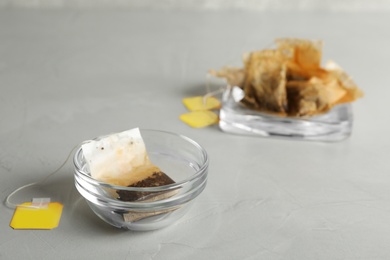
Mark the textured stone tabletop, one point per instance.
(71, 75)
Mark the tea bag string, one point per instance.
(11, 205)
(209, 92)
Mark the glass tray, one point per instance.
(336, 125)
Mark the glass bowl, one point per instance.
(181, 158)
(334, 125)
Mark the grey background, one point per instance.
(251, 5)
(70, 74)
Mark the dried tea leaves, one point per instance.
(155, 180)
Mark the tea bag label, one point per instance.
(29, 216)
(198, 119)
(201, 103)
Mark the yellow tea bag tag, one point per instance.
(198, 119)
(201, 103)
(39, 214)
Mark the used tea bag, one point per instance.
(289, 80)
(345, 81)
(121, 159)
(234, 76)
(307, 98)
(154, 180)
(264, 84)
(305, 53)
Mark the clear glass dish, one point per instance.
(181, 158)
(334, 125)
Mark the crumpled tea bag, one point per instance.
(119, 159)
(307, 98)
(289, 80)
(305, 53)
(345, 81)
(265, 81)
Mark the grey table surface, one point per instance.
(70, 75)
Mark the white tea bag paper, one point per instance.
(119, 159)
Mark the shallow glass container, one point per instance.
(334, 125)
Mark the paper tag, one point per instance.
(238, 94)
(200, 103)
(27, 216)
(199, 119)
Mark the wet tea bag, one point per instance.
(121, 159)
